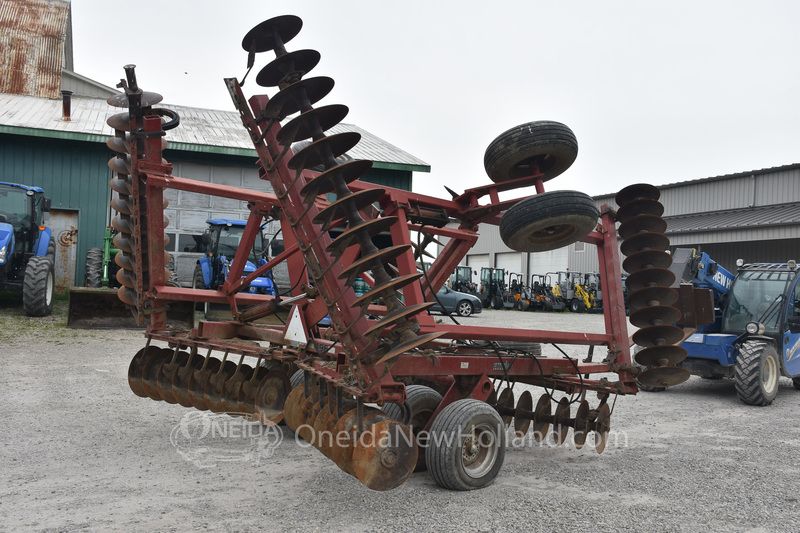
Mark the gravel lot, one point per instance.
(81, 452)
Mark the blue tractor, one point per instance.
(755, 337)
(218, 245)
(27, 247)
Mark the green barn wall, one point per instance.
(73, 174)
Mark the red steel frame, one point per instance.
(305, 246)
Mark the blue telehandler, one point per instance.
(755, 335)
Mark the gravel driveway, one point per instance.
(80, 451)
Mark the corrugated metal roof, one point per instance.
(32, 40)
(201, 130)
(750, 218)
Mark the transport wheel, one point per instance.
(94, 268)
(38, 287)
(421, 402)
(466, 447)
(464, 308)
(296, 379)
(548, 221)
(550, 147)
(756, 373)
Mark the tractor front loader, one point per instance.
(364, 395)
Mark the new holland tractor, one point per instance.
(382, 373)
(27, 247)
(219, 244)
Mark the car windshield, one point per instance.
(753, 298)
(14, 205)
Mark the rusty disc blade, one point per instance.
(643, 242)
(293, 401)
(120, 121)
(414, 342)
(342, 207)
(371, 416)
(124, 242)
(649, 277)
(295, 64)
(233, 387)
(324, 149)
(346, 432)
(561, 422)
(656, 315)
(126, 278)
(328, 181)
(167, 373)
(657, 336)
(350, 236)
(127, 295)
(652, 296)
(121, 205)
(262, 37)
(151, 369)
(398, 316)
(120, 165)
(637, 191)
(125, 261)
(581, 424)
(378, 258)
(385, 455)
(505, 402)
(646, 259)
(215, 385)
(602, 427)
(148, 99)
(661, 356)
(247, 393)
(271, 396)
(288, 100)
(642, 224)
(119, 145)
(122, 224)
(642, 206)
(313, 121)
(522, 420)
(180, 382)
(120, 185)
(663, 376)
(306, 429)
(541, 418)
(197, 383)
(136, 368)
(386, 289)
(327, 438)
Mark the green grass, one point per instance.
(15, 325)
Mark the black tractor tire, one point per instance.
(198, 283)
(757, 373)
(51, 250)
(466, 445)
(515, 153)
(94, 268)
(464, 308)
(497, 302)
(548, 221)
(297, 378)
(577, 306)
(38, 287)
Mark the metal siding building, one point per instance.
(752, 215)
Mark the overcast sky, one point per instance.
(656, 92)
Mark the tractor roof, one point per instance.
(24, 187)
(225, 222)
